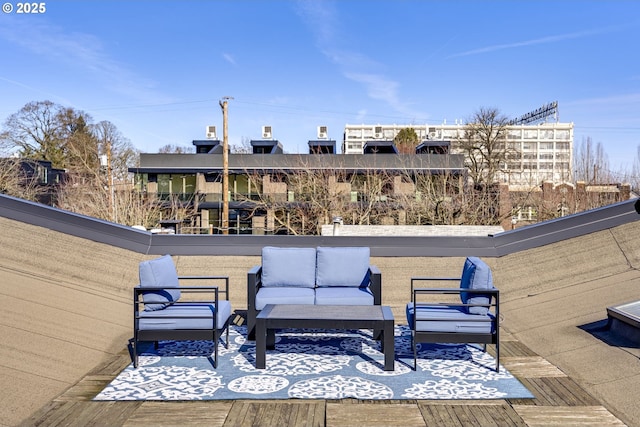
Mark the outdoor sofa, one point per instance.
(467, 314)
(164, 310)
(316, 276)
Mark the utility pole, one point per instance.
(225, 165)
(112, 204)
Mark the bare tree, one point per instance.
(16, 181)
(484, 145)
(591, 163)
(34, 132)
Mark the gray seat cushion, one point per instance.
(180, 316)
(443, 318)
(346, 295)
(282, 295)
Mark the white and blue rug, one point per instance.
(312, 365)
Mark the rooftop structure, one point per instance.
(67, 280)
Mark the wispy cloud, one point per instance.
(82, 51)
(229, 58)
(615, 100)
(532, 42)
(324, 21)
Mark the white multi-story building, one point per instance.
(542, 152)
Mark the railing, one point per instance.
(497, 245)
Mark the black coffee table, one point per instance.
(281, 316)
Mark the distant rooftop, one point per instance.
(412, 230)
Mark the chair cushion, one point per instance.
(346, 295)
(282, 295)
(443, 318)
(476, 274)
(342, 266)
(157, 274)
(288, 267)
(181, 316)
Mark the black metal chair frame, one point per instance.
(492, 337)
(182, 334)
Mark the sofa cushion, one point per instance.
(283, 295)
(345, 295)
(347, 266)
(157, 274)
(444, 318)
(181, 316)
(288, 267)
(476, 274)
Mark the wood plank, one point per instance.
(374, 415)
(198, 413)
(86, 389)
(514, 349)
(540, 393)
(530, 367)
(284, 413)
(555, 391)
(596, 416)
(85, 414)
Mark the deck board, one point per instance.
(596, 416)
(211, 414)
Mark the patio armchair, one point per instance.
(164, 310)
(467, 314)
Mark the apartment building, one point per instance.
(538, 152)
(266, 173)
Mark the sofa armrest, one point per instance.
(375, 284)
(254, 283)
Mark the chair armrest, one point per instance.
(223, 291)
(138, 291)
(495, 294)
(431, 279)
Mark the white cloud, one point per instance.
(323, 20)
(532, 42)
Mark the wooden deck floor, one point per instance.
(559, 401)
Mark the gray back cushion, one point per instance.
(157, 274)
(342, 266)
(289, 267)
(476, 274)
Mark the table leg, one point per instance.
(388, 346)
(261, 344)
(271, 339)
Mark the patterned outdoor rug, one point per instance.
(312, 364)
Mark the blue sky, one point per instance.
(157, 69)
